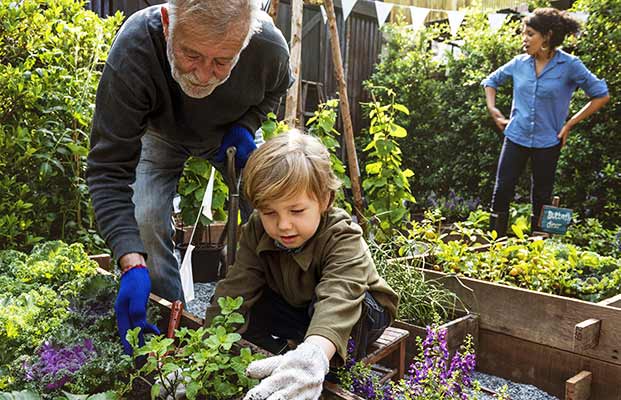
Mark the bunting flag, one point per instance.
(455, 19)
(418, 17)
(382, 10)
(496, 20)
(581, 16)
(522, 8)
(347, 5)
(324, 14)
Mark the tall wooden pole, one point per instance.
(274, 9)
(293, 94)
(352, 159)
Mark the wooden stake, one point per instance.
(274, 9)
(352, 159)
(293, 94)
(579, 386)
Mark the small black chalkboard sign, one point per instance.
(555, 219)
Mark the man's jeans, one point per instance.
(273, 316)
(157, 174)
(512, 162)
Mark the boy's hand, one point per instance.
(296, 375)
(243, 140)
(131, 305)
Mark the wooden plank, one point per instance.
(103, 260)
(614, 301)
(586, 334)
(544, 367)
(540, 318)
(457, 330)
(578, 387)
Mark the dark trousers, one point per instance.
(512, 162)
(273, 316)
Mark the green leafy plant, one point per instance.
(57, 325)
(321, 125)
(272, 127)
(422, 301)
(386, 184)
(191, 189)
(51, 55)
(202, 362)
(590, 234)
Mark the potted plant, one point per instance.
(206, 234)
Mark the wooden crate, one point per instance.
(545, 340)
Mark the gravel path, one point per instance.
(202, 294)
(516, 391)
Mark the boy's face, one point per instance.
(294, 220)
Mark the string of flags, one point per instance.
(419, 14)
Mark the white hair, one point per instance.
(217, 17)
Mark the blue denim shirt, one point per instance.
(541, 104)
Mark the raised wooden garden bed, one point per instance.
(546, 340)
(456, 330)
(389, 349)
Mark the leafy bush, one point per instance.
(452, 142)
(57, 325)
(51, 53)
(590, 169)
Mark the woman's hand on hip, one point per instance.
(499, 119)
(563, 134)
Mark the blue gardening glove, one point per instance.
(131, 305)
(243, 140)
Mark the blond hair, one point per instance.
(289, 164)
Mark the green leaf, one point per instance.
(374, 168)
(401, 108)
(155, 391)
(398, 131)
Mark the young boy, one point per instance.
(303, 269)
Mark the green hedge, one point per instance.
(453, 143)
(51, 54)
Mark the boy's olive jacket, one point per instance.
(335, 266)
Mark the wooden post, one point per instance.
(293, 94)
(586, 334)
(352, 159)
(579, 387)
(274, 9)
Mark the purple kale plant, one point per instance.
(56, 365)
(433, 374)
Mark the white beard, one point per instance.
(188, 81)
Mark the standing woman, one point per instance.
(544, 79)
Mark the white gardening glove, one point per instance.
(296, 375)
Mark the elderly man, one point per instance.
(187, 78)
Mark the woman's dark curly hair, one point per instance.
(550, 20)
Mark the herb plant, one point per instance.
(201, 363)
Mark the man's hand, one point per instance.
(243, 140)
(131, 305)
(296, 375)
(499, 119)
